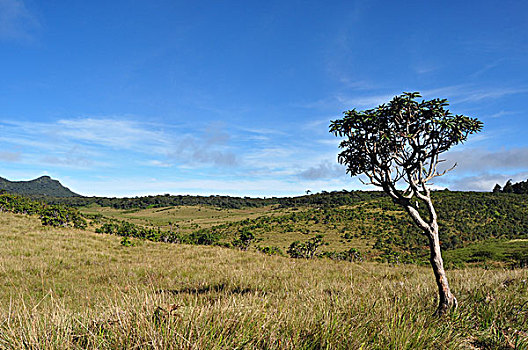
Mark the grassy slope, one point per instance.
(64, 288)
(469, 222)
(187, 218)
(281, 233)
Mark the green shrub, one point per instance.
(244, 239)
(270, 250)
(306, 250)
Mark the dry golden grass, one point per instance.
(70, 289)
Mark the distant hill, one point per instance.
(42, 186)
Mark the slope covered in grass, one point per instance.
(373, 225)
(67, 288)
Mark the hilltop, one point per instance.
(42, 186)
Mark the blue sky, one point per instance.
(125, 98)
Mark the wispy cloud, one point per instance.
(501, 114)
(479, 169)
(463, 93)
(102, 141)
(10, 156)
(111, 132)
(486, 68)
(212, 147)
(469, 93)
(16, 21)
(324, 170)
(364, 101)
(158, 163)
(106, 186)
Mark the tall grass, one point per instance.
(69, 289)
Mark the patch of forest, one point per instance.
(325, 199)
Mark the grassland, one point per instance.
(72, 289)
(476, 228)
(186, 218)
(280, 232)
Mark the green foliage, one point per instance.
(244, 239)
(497, 188)
(126, 242)
(520, 187)
(464, 218)
(351, 254)
(201, 237)
(403, 133)
(127, 229)
(305, 250)
(513, 253)
(61, 216)
(50, 215)
(270, 250)
(508, 188)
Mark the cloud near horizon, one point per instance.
(479, 159)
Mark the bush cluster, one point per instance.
(305, 250)
(50, 215)
(127, 229)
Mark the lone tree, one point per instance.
(399, 143)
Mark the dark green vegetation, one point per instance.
(371, 225)
(43, 186)
(50, 215)
(325, 199)
(520, 187)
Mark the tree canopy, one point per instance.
(400, 140)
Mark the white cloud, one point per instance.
(211, 148)
(207, 186)
(463, 93)
(479, 160)
(105, 140)
(158, 163)
(112, 132)
(483, 182)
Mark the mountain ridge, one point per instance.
(41, 186)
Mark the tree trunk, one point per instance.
(446, 299)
